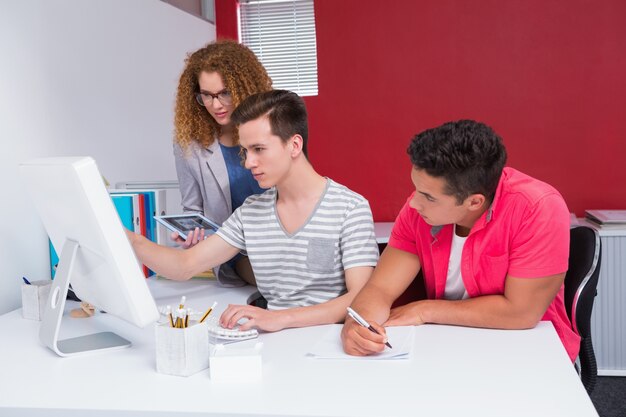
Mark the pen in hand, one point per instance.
(27, 282)
(363, 323)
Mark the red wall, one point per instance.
(226, 19)
(548, 76)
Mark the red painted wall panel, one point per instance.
(226, 19)
(548, 76)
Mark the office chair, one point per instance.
(415, 291)
(581, 281)
(257, 300)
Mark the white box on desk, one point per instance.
(34, 299)
(236, 364)
(181, 352)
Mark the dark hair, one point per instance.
(284, 109)
(469, 155)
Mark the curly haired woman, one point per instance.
(212, 179)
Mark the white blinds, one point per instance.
(282, 34)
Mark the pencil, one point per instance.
(208, 312)
(169, 315)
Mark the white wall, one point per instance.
(80, 77)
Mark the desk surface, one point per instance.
(453, 371)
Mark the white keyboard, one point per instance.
(224, 335)
(216, 332)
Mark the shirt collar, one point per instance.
(488, 215)
(492, 211)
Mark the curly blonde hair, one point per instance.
(243, 75)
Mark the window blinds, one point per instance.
(282, 34)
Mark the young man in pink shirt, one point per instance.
(492, 243)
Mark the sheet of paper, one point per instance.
(400, 338)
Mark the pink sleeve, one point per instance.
(540, 247)
(403, 234)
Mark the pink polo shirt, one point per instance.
(524, 234)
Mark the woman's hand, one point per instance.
(193, 238)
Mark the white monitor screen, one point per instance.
(74, 206)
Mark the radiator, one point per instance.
(608, 320)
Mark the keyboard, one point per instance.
(227, 335)
(217, 333)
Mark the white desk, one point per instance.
(454, 371)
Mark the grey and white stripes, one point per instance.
(306, 267)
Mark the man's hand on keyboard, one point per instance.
(269, 321)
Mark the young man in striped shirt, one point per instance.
(310, 241)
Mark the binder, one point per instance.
(135, 213)
(157, 206)
(54, 259)
(160, 209)
(141, 212)
(138, 217)
(125, 208)
(141, 218)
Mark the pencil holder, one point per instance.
(34, 298)
(182, 352)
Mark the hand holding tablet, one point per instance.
(190, 227)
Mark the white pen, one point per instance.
(363, 322)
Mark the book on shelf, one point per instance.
(126, 205)
(606, 217)
(156, 206)
(54, 259)
(152, 202)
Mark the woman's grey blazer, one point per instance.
(205, 188)
(203, 181)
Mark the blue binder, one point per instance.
(124, 206)
(54, 259)
(149, 210)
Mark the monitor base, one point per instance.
(55, 306)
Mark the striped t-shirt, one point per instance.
(307, 267)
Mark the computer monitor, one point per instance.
(95, 255)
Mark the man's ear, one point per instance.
(476, 202)
(296, 145)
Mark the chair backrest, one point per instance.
(581, 282)
(582, 275)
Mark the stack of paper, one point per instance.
(606, 218)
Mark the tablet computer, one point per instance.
(185, 223)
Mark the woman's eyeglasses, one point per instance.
(206, 99)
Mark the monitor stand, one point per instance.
(49, 330)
